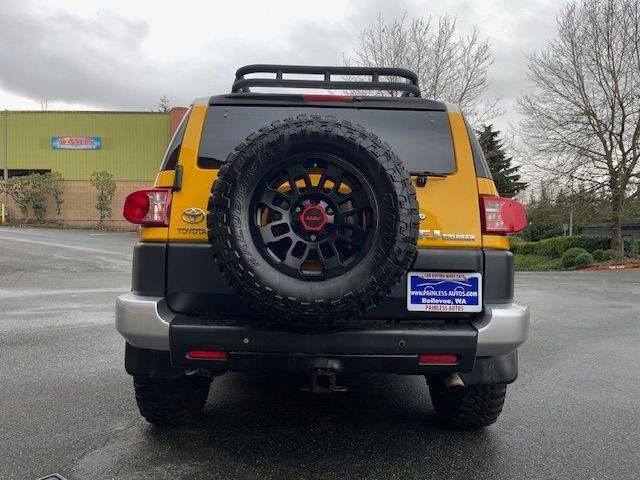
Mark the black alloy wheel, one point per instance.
(315, 217)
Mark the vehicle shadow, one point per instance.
(263, 426)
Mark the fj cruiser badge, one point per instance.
(463, 237)
(192, 215)
(436, 234)
(433, 234)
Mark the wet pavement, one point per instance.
(67, 406)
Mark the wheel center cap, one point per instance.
(313, 218)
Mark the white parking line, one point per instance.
(7, 292)
(62, 245)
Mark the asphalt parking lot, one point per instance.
(67, 406)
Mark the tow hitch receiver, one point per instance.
(323, 380)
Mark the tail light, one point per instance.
(207, 355)
(148, 207)
(437, 359)
(502, 215)
(327, 98)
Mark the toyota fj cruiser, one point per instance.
(320, 234)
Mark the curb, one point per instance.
(618, 266)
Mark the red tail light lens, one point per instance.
(207, 355)
(437, 359)
(502, 215)
(148, 207)
(328, 98)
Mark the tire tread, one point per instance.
(171, 401)
(352, 303)
(471, 407)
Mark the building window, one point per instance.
(23, 172)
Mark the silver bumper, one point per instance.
(501, 328)
(144, 323)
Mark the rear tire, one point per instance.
(171, 401)
(470, 407)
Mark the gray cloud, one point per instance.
(57, 56)
(100, 60)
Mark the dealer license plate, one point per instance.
(444, 292)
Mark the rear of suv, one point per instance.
(322, 234)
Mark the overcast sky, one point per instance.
(125, 54)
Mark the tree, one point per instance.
(582, 115)
(163, 104)
(103, 182)
(542, 216)
(450, 67)
(505, 176)
(551, 210)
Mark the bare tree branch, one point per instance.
(450, 67)
(582, 115)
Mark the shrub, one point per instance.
(630, 248)
(536, 263)
(598, 255)
(523, 247)
(513, 239)
(103, 182)
(31, 192)
(555, 247)
(569, 257)
(584, 259)
(609, 255)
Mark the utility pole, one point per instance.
(571, 221)
(6, 147)
(5, 173)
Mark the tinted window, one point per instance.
(21, 173)
(173, 150)
(479, 160)
(422, 139)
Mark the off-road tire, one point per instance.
(171, 401)
(286, 299)
(469, 407)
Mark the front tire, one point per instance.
(469, 407)
(171, 401)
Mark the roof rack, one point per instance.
(409, 88)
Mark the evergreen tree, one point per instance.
(505, 176)
(163, 104)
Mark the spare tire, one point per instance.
(313, 218)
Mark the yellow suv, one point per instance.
(319, 234)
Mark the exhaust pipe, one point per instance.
(453, 381)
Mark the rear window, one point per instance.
(479, 160)
(173, 150)
(422, 139)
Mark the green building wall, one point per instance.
(3, 151)
(133, 143)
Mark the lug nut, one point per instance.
(313, 238)
(329, 211)
(298, 209)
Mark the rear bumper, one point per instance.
(147, 322)
(381, 348)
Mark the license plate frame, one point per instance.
(444, 292)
